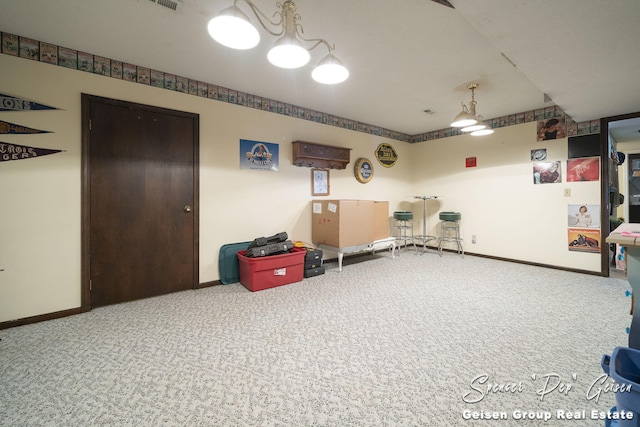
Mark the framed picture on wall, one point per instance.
(583, 169)
(319, 182)
(546, 172)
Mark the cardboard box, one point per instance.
(342, 223)
(380, 220)
(266, 272)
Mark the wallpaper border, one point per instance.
(31, 49)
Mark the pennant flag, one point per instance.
(6, 127)
(11, 103)
(10, 152)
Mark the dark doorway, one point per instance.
(633, 168)
(610, 187)
(140, 201)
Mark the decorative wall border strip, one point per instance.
(573, 128)
(27, 48)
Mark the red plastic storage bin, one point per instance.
(266, 272)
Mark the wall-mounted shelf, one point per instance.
(312, 155)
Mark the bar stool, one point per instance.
(403, 226)
(450, 230)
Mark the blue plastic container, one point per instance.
(611, 423)
(623, 366)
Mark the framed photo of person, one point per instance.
(319, 182)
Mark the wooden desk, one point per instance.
(632, 248)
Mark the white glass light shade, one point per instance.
(474, 127)
(288, 52)
(464, 118)
(330, 71)
(481, 132)
(232, 28)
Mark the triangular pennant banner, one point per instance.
(11, 103)
(6, 127)
(10, 152)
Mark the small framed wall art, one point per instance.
(319, 182)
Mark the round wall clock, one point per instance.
(363, 170)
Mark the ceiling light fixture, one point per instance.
(232, 28)
(484, 131)
(468, 120)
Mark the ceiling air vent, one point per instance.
(174, 5)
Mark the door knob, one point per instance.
(187, 208)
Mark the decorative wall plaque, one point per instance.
(386, 155)
(363, 170)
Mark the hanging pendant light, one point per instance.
(478, 125)
(481, 132)
(330, 71)
(464, 118)
(288, 52)
(468, 120)
(232, 28)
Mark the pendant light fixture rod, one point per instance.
(472, 104)
(260, 15)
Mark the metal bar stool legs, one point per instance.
(450, 230)
(403, 225)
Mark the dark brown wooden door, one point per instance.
(142, 200)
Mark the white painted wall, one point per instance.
(510, 216)
(40, 208)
